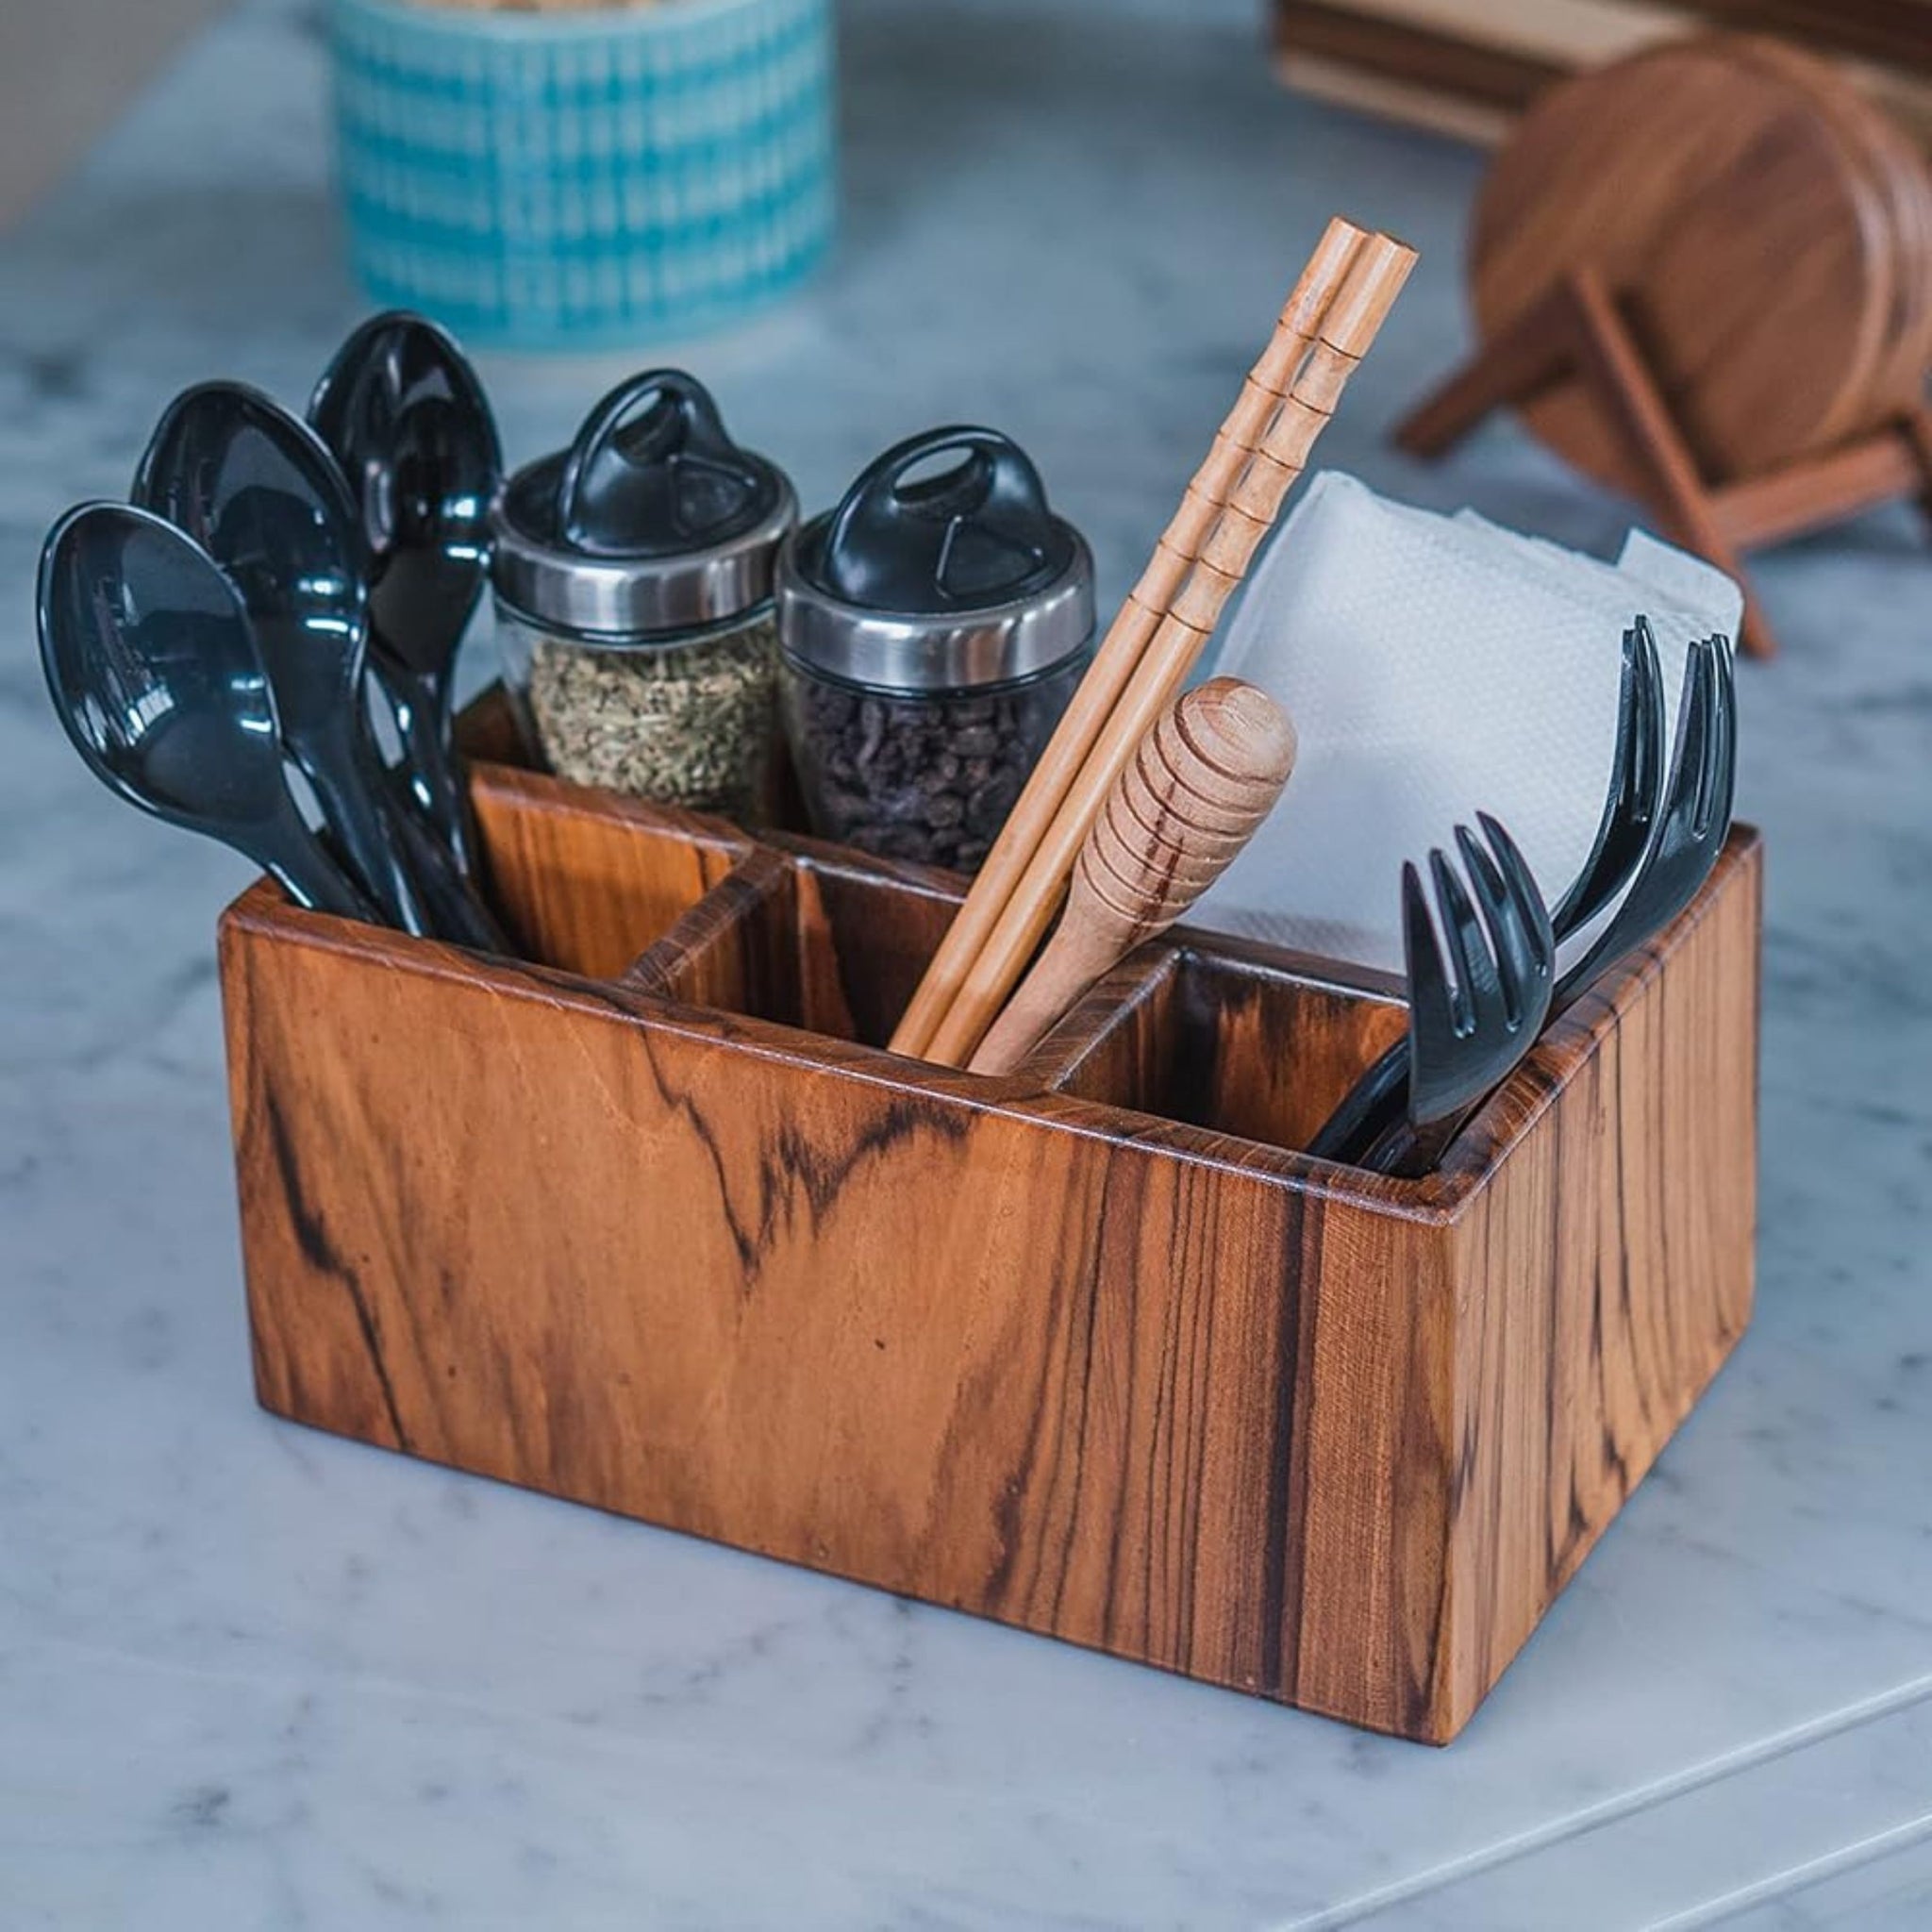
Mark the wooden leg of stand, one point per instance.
(1537, 351)
(1825, 489)
(1576, 330)
(1611, 363)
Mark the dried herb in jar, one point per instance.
(633, 577)
(688, 725)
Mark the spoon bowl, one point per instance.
(156, 675)
(406, 418)
(260, 493)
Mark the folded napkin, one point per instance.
(1434, 667)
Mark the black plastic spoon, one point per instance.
(409, 422)
(155, 672)
(259, 492)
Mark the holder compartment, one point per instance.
(1232, 1038)
(586, 883)
(655, 1222)
(801, 938)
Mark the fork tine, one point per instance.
(1522, 887)
(1720, 792)
(1503, 963)
(1691, 756)
(1617, 857)
(1696, 812)
(1431, 1006)
(1477, 983)
(1728, 705)
(1622, 750)
(1709, 750)
(1649, 780)
(1527, 941)
(1508, 936)
(1636, 784)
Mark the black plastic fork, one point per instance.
(1473, 1016)
(1374, 1106)
(1690, 828)
(1684, 843)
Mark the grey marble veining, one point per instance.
(252, 1677)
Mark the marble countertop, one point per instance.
(253, 1676)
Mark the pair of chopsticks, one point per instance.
(1327, 327)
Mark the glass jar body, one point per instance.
(928, 775)
(686, 721)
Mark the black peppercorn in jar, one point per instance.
(633, 577)
(932, 629)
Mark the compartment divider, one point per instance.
(1103, 1046)
(805, 938)
(735, 949)
(585, 880)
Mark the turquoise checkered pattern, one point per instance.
(583, 180)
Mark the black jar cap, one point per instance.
(962, 537)
(652, 520)
(934, 574)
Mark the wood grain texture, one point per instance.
(1571, 1378)
(738, 948)
(1258, 1043)
(805, 938)
(1788, 502)
(1159, 1385)
(584, 879)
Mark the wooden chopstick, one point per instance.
(1234, 447)
(1375, 275)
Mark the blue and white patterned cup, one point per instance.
(573, 180)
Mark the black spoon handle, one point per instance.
(446, 903)
(364, 831)
(421, 707)
(301, 865)
(455, 905)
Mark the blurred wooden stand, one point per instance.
(1470, 68)
(1577, 332)
(1704, 277)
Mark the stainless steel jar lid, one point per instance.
(923, 583)
(652, 524)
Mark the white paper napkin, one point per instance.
(1434, 667)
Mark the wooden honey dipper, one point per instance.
(1173, 821)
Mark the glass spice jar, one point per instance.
(633, 579)
(932, 629)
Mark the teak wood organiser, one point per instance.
(1088, 1348)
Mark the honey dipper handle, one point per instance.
(1173, 821)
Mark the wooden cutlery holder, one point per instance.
(657, 1225)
